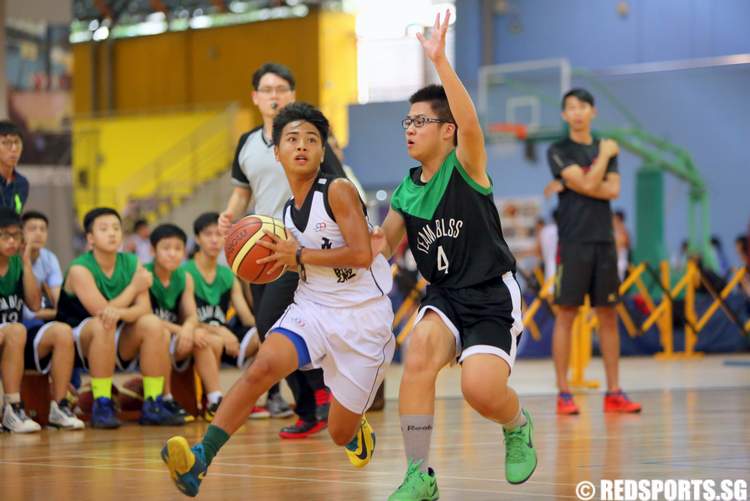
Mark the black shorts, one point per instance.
(270, 301)
(244, 336)
(485, 318)
(586, 268)
(31, 356)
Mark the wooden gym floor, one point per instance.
(695, 425)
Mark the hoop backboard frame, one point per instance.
(503, 100)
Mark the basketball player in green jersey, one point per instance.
(17, 286)
(173, 300)
(471, 313)
(105, 300)
(216, 288)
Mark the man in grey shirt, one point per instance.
(257, 175)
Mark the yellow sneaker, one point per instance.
(362, 446)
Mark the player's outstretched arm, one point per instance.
(347, 209)
(470, 152)
(385, 238)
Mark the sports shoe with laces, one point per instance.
(520, 455)
(566, 406)
(362, 447)
(187, 466)
(417, 485)
(61, 416)
(278, 407)
(15, 419)
(103, 414)
(618, 401)
(302, 429)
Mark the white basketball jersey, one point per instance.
(314, 227)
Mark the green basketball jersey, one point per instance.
(11, 291)
(453, 227)
(165, 301)
(70, 310)
(213, 298)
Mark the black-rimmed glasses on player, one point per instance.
(420, 121)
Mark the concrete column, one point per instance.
(3, 78)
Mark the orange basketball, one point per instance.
(242, 249)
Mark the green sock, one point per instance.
(101, 387)
(213, 440)
(152, 387)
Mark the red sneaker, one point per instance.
(566, 406)
(259, 413)
(618, 401)
(322, 404)
(302, 429)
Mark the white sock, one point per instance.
(167, 397)
(11, 398)
(516, 422)
(213, 397)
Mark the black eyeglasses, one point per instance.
(420, 121)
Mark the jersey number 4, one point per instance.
(442, 260)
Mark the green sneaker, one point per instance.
(417, 485)
(520, 455)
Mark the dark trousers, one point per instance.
(269, 303)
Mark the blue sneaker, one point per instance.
(154, 412)
(103, 414)
(187, 466)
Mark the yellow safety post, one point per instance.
(724, 293)
(691, 336)
(409, 301)
(666, 334)
(198, 387)
(581, 346)
(626, 320)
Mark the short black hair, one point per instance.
(204, 221)
(580, 94)
(438, 99)
(742, 240)
(277, 69)
(167, 230)
(34, 214)
(139, 223)
(8, 128)
(94, 214)
(9, 217)
(300, 111)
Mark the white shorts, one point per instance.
(353, 346)
(82, 356)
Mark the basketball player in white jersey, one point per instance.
(340, 319)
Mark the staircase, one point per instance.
(157, 189)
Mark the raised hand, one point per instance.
(225, 223)
(434, 47)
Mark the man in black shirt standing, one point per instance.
(586, 169)
(14, 188)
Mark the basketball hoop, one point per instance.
(506, 132)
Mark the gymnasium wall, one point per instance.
(214, 66)
(706, 111)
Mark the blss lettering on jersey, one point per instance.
(427, 236)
